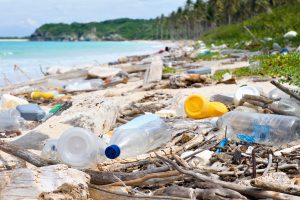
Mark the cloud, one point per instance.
(29, 23)
(29, 14)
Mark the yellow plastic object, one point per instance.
(41, 95)
(198, 107)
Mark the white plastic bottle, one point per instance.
(10, 120)
(49, 151)
(261, 128)
(287, 106)
(139, 136)
(84, 85)
(80, 148)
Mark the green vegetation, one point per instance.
(274, 24)
(169, 70)
(287, 67)
(127, 28)
(199, 16)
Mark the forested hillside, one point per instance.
(191, 21)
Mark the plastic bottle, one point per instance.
(31, 112)
(8, 101)
(198, 107)
(139, 136)
(10, 120)
(84, 85)
(261, 128)
(42, 95)
(49, 151)
(250, 90)
(287, 106)
(202, 71)
(277, 94)
(80, 148)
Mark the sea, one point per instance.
(32, 56)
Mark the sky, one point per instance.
(22, 17)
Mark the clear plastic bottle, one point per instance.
(84, 85)
(286, 106)
(139, 136)
(262, 128)
(80, 148)
(49, 151)
(10, 120)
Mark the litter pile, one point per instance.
(130, 131)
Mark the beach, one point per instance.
(103, 97)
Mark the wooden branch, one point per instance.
(269, 165)
(104, 178)
(23, 154)
(245, 190)
(258, 98)
(285, 90)
(139, 181)
(102, 193)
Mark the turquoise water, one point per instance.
(31, 55)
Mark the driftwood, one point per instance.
(23, 154)
(278, 181)
(31, 183)
(245, 190)
(214, 193)
(65, 76)
(103, 193)
(286, 90)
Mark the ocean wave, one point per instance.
(6, 53)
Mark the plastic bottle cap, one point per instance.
(112, 152)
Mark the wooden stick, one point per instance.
(286, 90)
(269, 165)
(138, 181)
(23, 154)
(245, 190)
(16, 67)
(120, 196)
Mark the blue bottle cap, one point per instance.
(113, 151)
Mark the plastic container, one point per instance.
(49, 151)
(42, 95)
(260, 128)
(277, 94)
(139, 136)
(287, 106)
(250, 90)
(10, 120)
(84, 85)
(31, 112)
(198, 107)
(80, 148)
(8, 101)
(201, 71)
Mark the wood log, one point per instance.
(104, 193)
(215, 193)
(245, 190)
(65, 76)
(23, 154)
(278, 181)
